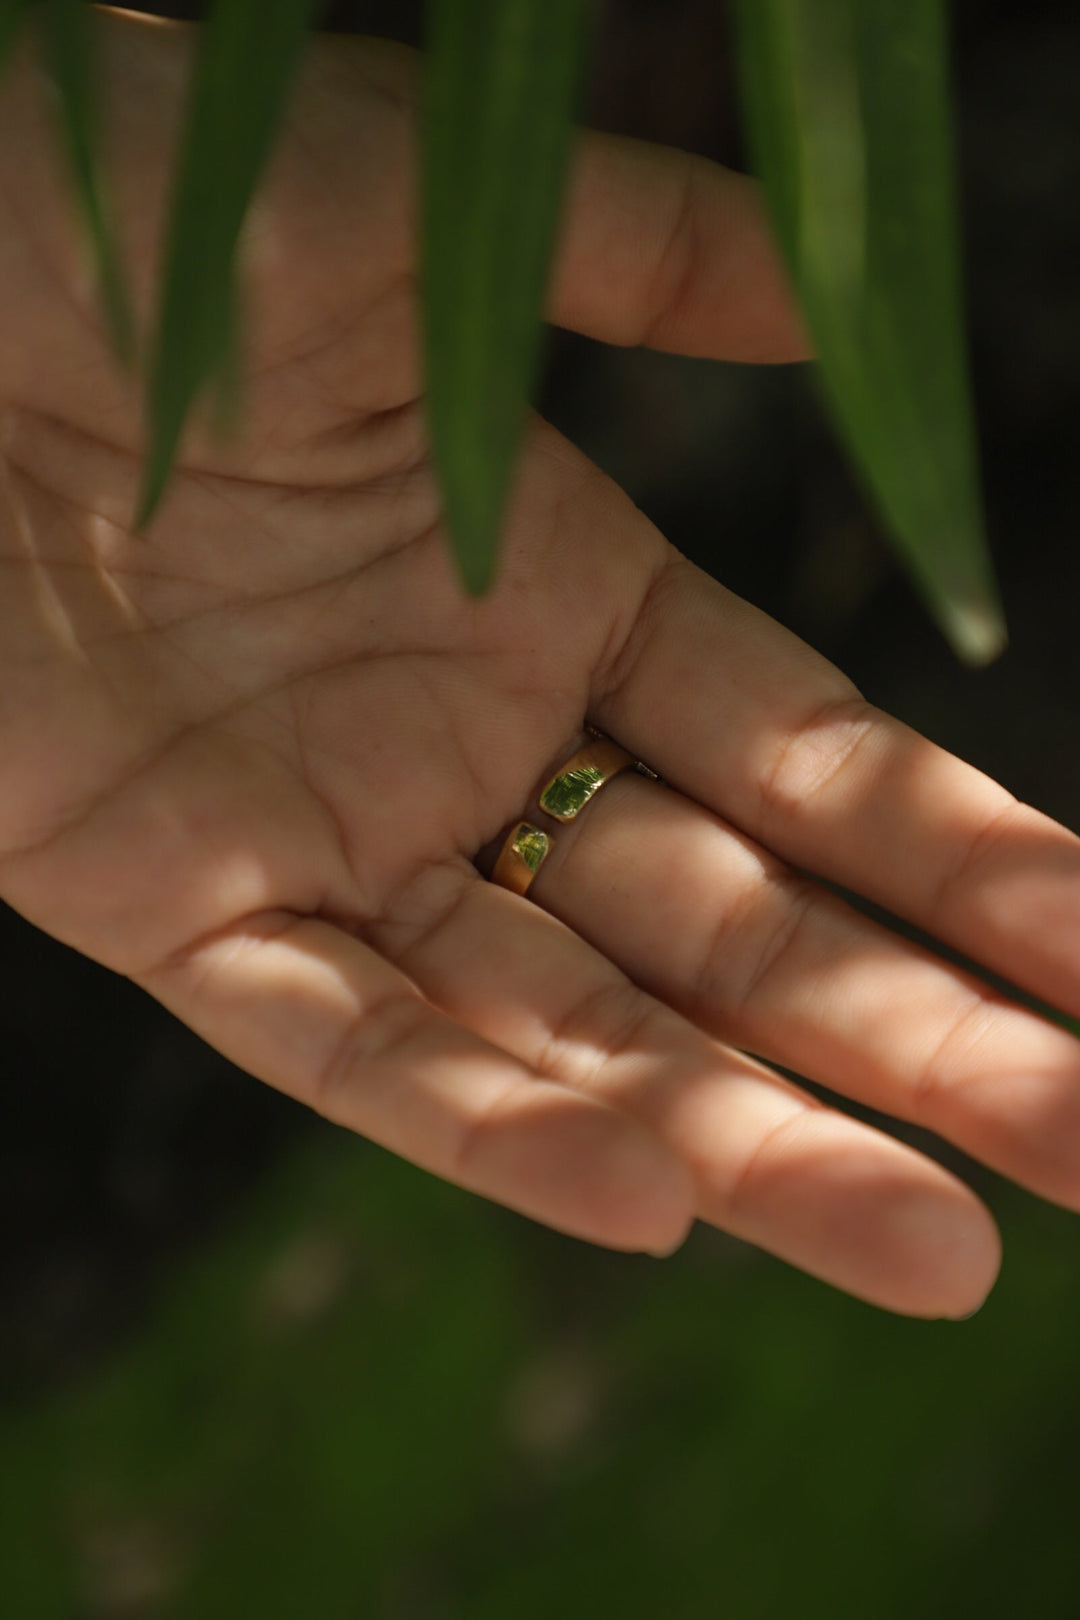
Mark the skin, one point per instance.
(260, 760)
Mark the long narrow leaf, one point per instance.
(68, 27)
(12, 13)
(248, 54)
(501, 83)
(848, 109)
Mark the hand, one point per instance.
(255, 762)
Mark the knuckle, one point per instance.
(754, 919)
(711, 978)
(678, 260)
(770, 1147)
(618, 666)
(941, 1079)
(986, 837)
(475, 1132)
(781, 937)
(374, 1038)
(811, 757)
(422, 913)
(594, 1031)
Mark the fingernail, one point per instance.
(669, 1250)
(965, 1316)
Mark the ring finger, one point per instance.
(764, 958)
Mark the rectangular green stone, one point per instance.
(565, 796)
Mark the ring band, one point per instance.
(638, 764)
(521, 857)
(563, 797)
(570, 789)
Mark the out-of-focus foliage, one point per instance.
(848, 106)
(848, 111)
(247, 58)
(68, 29)
(499, 115)
(12, 13)
(364, 1402)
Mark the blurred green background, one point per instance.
(252, 1366)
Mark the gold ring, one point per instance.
(563, 796)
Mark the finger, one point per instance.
(773, 1166)
(315, 1012)
(737, 713)
(663, 248)
(709, 922)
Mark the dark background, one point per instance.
(133, 1160)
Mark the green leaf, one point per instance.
(68, 30)
(248, 54)
(848, 111)
(500, 91)
(12, 13)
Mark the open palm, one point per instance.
(260, 762)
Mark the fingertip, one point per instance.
(962, 1245)
(645, 1197)
(940, 1248)
(865, 1213)
(666, 1250)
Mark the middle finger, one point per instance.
(764, 958)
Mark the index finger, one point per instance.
(664, 248)
(736, 712)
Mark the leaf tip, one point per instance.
(472, 538)
(476, 574)
(976, 631)
(149, 500)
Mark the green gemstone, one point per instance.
(565, 796)
(532, 845)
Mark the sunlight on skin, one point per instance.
(261, 760)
